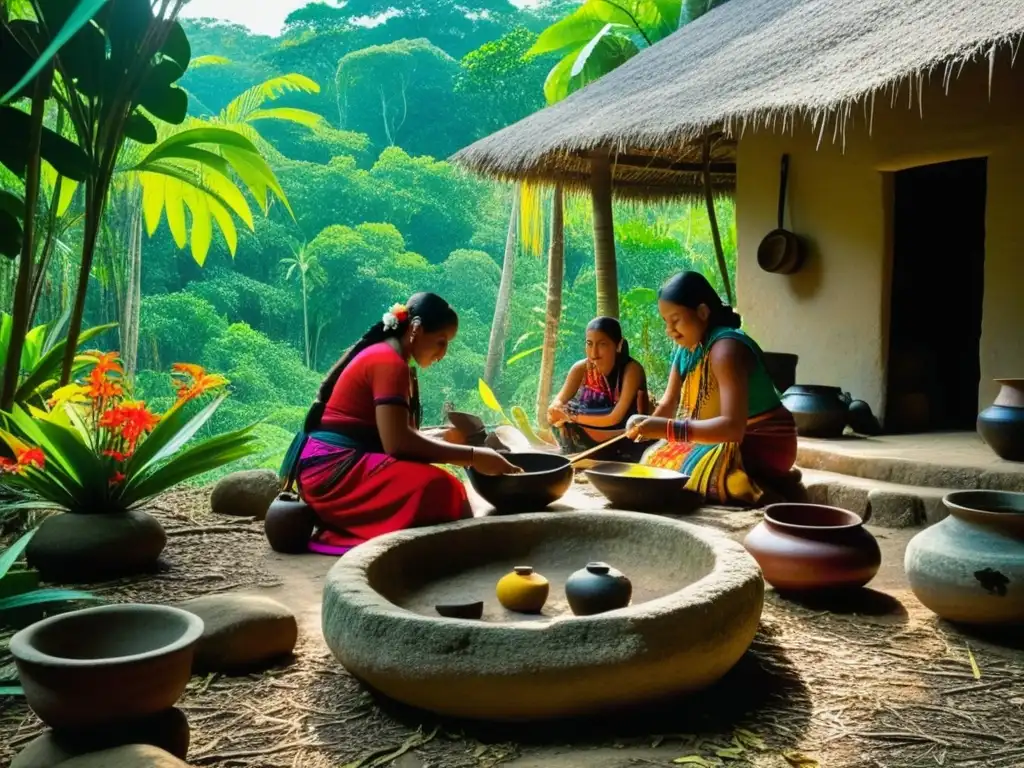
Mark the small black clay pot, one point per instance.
(545, 479)
(818, 411)
(461, 610)
(289, 524)
(598, 588)
(861, 419)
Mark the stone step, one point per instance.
(890, 505)
(910, 468)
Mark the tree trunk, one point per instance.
(709, 200)
(604, 236)
(305, 317)
(553, 311)
(130, 316)
(20, 313)
(499, 327)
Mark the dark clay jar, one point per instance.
(289, 524)
(596, 589)
(818, 411)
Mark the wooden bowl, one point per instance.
(659, 490)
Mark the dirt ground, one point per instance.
(876, 683)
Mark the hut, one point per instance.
(903, 125)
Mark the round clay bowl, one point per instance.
(100, 665)
(696, 602)
(969, 567)
(811, 547)
(545, 479)
(662, 490)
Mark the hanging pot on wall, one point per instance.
(1001, 425)
(781, 252)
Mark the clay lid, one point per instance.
(524, 570)
(599, 568)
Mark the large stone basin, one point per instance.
(697, 599)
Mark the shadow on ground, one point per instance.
(855, 602)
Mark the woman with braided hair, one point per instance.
(361, 462)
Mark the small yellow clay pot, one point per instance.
(523, 591)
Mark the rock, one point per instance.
(81, 548)
(246, 494)
(242, 632)
(133, 756)
(168, 731)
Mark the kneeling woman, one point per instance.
(600, 393)
(361, 462)
(721, 421)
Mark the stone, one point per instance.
(132, 756)
(242, 632)
(697, 601)
(82, 548)
(246, 494)
(167, 730)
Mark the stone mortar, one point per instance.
(697, 602)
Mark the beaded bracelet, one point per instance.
(677, 431)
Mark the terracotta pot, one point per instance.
(598, 588)
(523, 591)
(970, 567)
(79, 548)
(1001, 425)
(818, 411)
(781, 367)
(103, 665)
(289, 524)
(545, 479)
(806, 547)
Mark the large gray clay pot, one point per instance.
(102, 665)
(970, 567)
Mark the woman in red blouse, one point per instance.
(363, 465)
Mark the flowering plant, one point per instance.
(398, 313)
(97, 450)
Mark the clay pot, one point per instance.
(523, 591)
(546, 478)
(79, 548)
(461, 610)
(289, 524)
(781, 367)
(659, 489)
(598, 588)
(808, 547)
(970, 567)
(818, 411)
(103, 665)
(1001, 425)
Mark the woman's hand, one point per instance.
(556, 414)
(645, 427)
(445, 434)
(488, 462)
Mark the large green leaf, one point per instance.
(13, 552)
(197, 460)
(167, 103)
(138, 128)
(11, 235)
(81, 15)
(50, 363)
(669, 12)
(166, 443)
(177, 47)
(288, 114)
(43, 596)
(194, 136)
(64, 155)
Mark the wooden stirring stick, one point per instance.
(591, 451)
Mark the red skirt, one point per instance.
(377, 494)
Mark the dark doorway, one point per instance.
(938, 283)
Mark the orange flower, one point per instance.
(195, 381)
(129, 420)
(26, 457)
(101, 387)
(117, 455)
(8, 466)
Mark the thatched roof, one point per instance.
(747, 64)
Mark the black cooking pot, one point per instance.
(660, 490)
(545, 479)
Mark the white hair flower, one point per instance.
(397, 314)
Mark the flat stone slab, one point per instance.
(241, 632)
(696, 605)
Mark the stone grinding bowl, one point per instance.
(107, 664)
(662, 491)
(546, 478)
(697, 600)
